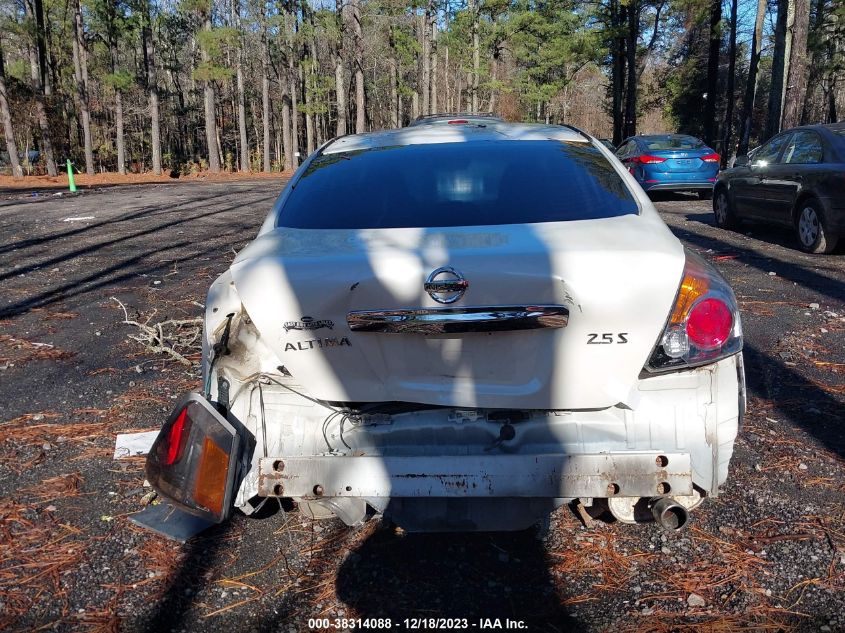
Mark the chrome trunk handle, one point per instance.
(458, 320)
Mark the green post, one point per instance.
(70, 182)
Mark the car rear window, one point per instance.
(457, 184)
(674, 142)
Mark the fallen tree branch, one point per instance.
(171, 337)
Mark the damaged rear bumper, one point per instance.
(461, 469)
(555, 476)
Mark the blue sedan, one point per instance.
(670, 162)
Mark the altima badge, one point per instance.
(446, 285)
(317, 343)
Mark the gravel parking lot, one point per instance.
(768, 554)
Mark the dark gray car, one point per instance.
(795, 180)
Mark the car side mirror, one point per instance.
(740, 161)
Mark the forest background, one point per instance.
(185, 86)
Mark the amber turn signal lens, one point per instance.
(692, 287)
(210, 488)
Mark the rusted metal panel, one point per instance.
(563, 476)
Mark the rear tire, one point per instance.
(723, 210)
(705, 194)
(811, 229)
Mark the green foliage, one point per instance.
(550, 41)
(198, 7)
(119, 81)
(215, 41)
(208, 71)
(18, 69)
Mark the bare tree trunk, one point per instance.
(433, 54)
(394, 82)
(287, 143)
(631, 61)
(239, 73)
(340, 91)
(8, 130)
(265, 93)
(796, 87)
(729, 110)
(309, 117)
(773, 118)
(152, 88)
(787, 55)
(360, 102)
(82, 88)
(294, 119)
(339, 69)
(816, 67)
(712, 73)
(424, 83)
(459, 91)
(118, 96)
(210, 110)
(618, 19)
(476, 55)
(119, 136)
(39, 72)
(242, 119)
(310, 122)
(155, 131)
(494, 77)
(751, 86)
(447, 98)
(293, 81)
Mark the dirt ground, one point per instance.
(11, 186)
(766, 555)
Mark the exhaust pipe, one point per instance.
(670, 514)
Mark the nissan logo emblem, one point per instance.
(446, 285)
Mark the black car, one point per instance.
(796, 180)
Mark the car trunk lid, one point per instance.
(616, 277)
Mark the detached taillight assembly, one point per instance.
(194, 460)
(704, 325)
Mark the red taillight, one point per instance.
(711, 158)
(176, 439)
(648, 160)
(704, 325)
(709, 324)
(458, 122)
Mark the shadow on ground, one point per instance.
(474, 576)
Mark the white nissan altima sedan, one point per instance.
(461, 327)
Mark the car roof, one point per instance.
(646, 137)
(430, 134)
(833, 127)
(445, 117)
